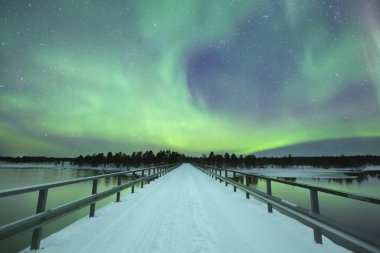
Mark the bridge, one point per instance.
(188, 208)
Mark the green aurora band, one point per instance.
(90, 76)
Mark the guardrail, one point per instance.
(42, 216)
(312, 218)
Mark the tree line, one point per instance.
(251, 161)
(148, 158)
(136, 159)
(119, 159)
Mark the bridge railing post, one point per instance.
(269, 192)
(37, 233)
(118, 193)
(315, 209)
(225, 175)
(234, 176)
(94, 191)
(142, 182)
(246, 184)
(148, 181)
(133, 186)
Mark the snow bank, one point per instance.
(6, 165)
(66, 165)
(309, 172)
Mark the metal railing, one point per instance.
(42, 216)
(312, 218)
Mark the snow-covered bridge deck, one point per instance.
(186, 211)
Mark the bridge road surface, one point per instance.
(186, 211)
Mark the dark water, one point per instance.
(361, 217)
(23, 205)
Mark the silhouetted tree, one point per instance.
(234, 160)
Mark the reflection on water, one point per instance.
(16, 207)
(357, 178)
(356, 215)
(290, 179)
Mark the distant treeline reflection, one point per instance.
(138, 159)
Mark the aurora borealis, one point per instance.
(79, 77)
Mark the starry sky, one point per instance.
(78, 77)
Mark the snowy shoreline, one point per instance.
(287, 172)
(65, 165)
(312, 172)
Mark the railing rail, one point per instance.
(312, 218)
(306, 186)
(32, 188)
(42, 217)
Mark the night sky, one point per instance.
(78, 77)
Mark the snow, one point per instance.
(372, 168)
(310, 172)
(6, 165)
(186, 211)
(66, 165)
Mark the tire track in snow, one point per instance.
(146, 235)
(184, 228)
(115, 231)
(227, 233)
